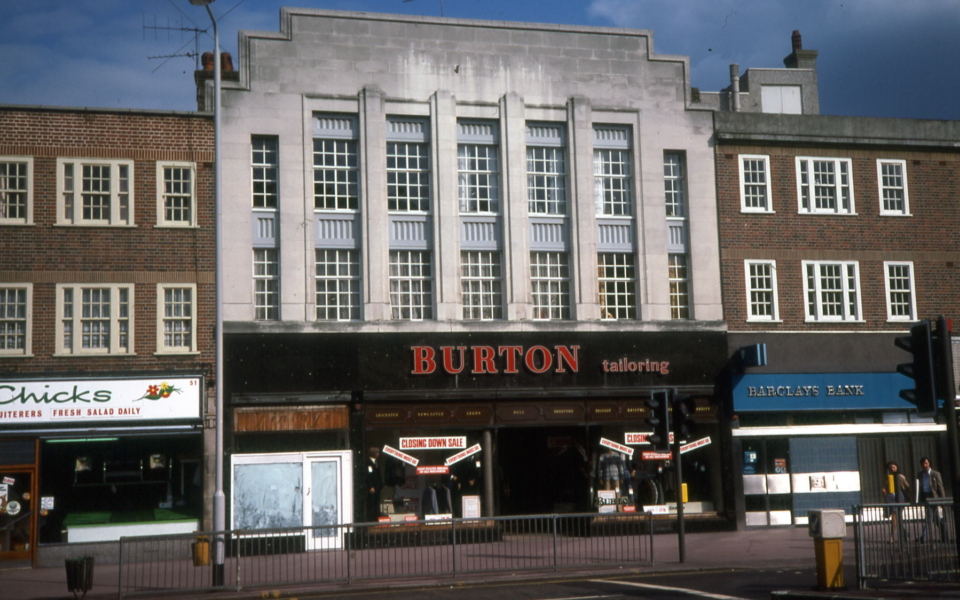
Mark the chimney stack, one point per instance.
(800, 58)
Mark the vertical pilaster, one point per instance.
(516, 243)
(373, 202)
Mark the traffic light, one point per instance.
(684, 407)
(921, 370)
(659, 419)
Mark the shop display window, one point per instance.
(97, 486)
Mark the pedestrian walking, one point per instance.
(929, 487)
(894, 492)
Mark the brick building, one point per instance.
(106, 318)
(836, 235)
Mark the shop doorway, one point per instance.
(18, 514)
(543, 470)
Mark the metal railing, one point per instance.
(906, 542)
(156, 565)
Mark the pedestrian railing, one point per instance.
(906, 542)
(244, 559)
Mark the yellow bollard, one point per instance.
(829, 554)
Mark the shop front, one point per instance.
(478, 423)
(806, 441)
(92, 460)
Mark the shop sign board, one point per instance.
(390, 451)
(433, 470)
(657, 509)
(820, 391)
(471, 507)
(462, 455)
(90, 400)
(656, 455)
(617, 447)
(694, 445)
(640, 439)
(434, 443)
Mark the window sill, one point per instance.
(757, 211)
(174, 226)
(764, 321)
(96, 225)
(176, 353)
(94, 355)
(11, 223)
(827, 214)
(4, 355)
(902, 320)
(895, 214)
(833, 321)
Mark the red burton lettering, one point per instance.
(489, 360)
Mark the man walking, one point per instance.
(929, 487)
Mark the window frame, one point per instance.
(267, 167)
(266, 311)
(115, 219)
(767, 206)
(27, 219)
(885, 212)
(889, 291)
(562, 310)
(628, 280)
(354, 305)
(484, 300)
(817, 316)
(467, 179)
(678, 174)
(114, 349)
(679, 311)
(837, 186)
(27, 349)
(351, 173)
(162, 220)
(752, 317)
(162, 318)
(397, 304)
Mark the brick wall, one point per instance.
(45, 254)
(929, 237)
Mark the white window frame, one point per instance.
(76, 348)
(767, 206)
(411, 294)
(890, 291)
(550, 286)
(344, 282)
(477, 186)
(678, 278)
(617, 294)
(675, 184)
(27, 349)
(76, 213)
(4, 189)
(837, 186)
(815, 314)
(162, 220)
(162, 318)
(481, 285)
(546, 160)
(905, 211)
(752, 317)
(266, 169)
(344, 178)
(266, 285)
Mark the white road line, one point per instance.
(588, 597)
(665, 588)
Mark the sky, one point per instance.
(877, 58)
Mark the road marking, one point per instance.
(664, 588)
(587, 597)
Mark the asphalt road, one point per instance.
(755, 584)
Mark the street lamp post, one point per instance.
(219, 501)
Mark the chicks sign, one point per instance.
(477, 360)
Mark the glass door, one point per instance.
(17, 515)
(326, 499)
(766, 482)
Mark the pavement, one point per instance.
(787, 547)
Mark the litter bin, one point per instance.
(80, 575)
(828, 528)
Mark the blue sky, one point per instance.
(885, 58)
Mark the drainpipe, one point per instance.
(735, 87)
